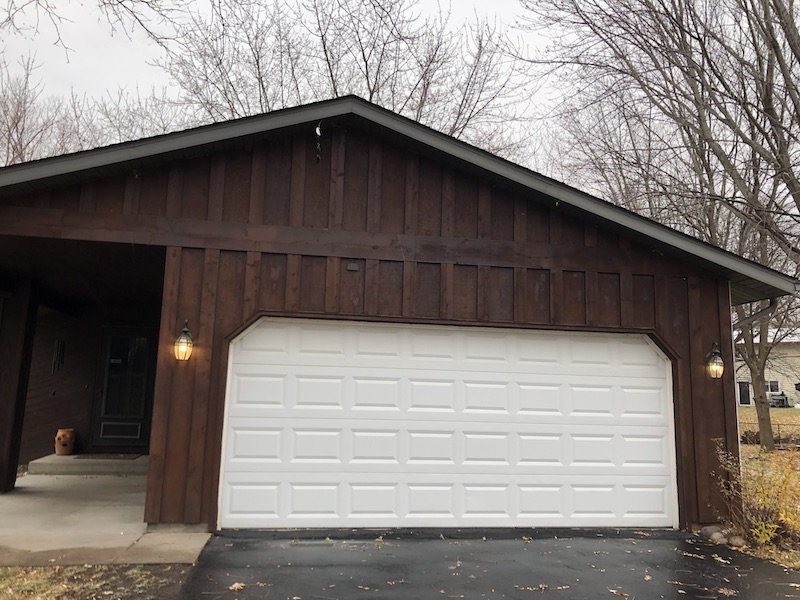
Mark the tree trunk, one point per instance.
(762, 410)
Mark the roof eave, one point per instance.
(292, 117)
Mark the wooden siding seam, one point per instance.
(258, 174)
(252, 284)
(409, 288)
(293, 262)
(216, 189)
(448, 204)
(130, 202)
(332, 282)
(336, 198)
(484, 210)
(520, 293)
(174, 191)
(371, 287)
(412, 196)
(520, 219)
(374, 187)
(297, 184)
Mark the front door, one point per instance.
(125, 392)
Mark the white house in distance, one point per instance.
(782, 374)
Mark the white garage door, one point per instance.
(345, 424)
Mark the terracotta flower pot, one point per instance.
(65, 441)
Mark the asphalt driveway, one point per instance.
(464, 564)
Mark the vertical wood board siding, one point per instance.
(419, 242)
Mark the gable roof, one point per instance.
(749, 280)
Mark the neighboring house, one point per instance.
(782, 374)
(391, 328)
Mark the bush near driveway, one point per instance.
(762, 493)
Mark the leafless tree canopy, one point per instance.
(245, 57)
(688, 111)
(709, 86)
(153, 17)
(35, 125)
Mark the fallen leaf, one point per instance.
(728, 592)
(236, 587)
(647, 577)
(398, 582)
(363, 587)
(618, 593)
(563, 587)
(720, 559)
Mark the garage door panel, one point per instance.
(439, 364)
(437, 347)
(308, 500)
(256, 444)
(334, 423)
(354, 395)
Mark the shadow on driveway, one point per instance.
(524, 564)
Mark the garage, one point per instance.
(390, 328)
(352, 424)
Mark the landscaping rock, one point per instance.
(710, 530)
(718, 537)
(736, 541)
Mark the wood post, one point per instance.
(17, 325)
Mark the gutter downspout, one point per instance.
(764, 312)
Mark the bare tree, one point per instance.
(27, 116)
(154, 17)
(35, 125)
(242, 58)
(688, 111)
(721, 76)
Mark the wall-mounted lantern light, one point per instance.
(714, 363)
(184, 343)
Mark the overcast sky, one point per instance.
(99, 60)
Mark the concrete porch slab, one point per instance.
(81, 464)
(85, 519)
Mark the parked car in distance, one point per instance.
(778, 400)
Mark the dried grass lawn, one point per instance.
(778, 416)
(90, 582)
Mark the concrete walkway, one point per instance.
(85, 519)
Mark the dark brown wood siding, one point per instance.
(371, 231)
